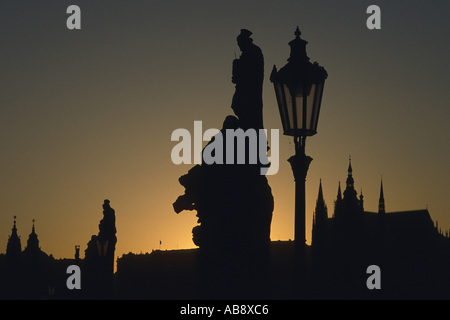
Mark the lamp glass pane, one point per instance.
(310, 108)
(317, 101)
(289, 107)
(299, 108)
(300, 105)
(281, 103)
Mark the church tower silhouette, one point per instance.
(13, 247)
(33, 241)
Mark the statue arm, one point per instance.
(235, 72)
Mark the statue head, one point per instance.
(105, 203)
(243, 39)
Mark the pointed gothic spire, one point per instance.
(381, 209)
(339, 195)
(338, 202)
(350, 181)
(320, 196)
(321, 212)
(320, 215)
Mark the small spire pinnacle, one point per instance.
(297, 33)
(350, 180)
(339, 195)
(381, 208)
(350, 170)
(320, 196)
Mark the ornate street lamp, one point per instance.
(299, 88)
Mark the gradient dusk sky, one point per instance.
(87, 115)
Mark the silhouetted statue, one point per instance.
(99, 255)
(107, 225)
(234, 202)
(104, 243)
(248, 75)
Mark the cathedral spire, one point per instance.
(381, 209)
(350, 192)
(350, 201)
(320, 196)
(339, 195)
(350, 181)
(321, 212)
(320, 216)
(338, 202)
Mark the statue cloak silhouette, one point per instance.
(248, 75)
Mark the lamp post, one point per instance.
(299, 88)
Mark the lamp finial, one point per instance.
(297, 33)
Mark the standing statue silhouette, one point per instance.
(248, 75)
